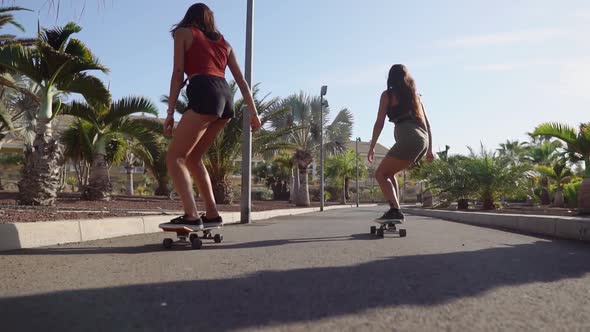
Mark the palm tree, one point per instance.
(559, 174)
(277, 175)
(107, 135)
(449, 178)
(155, 160)
(513, 150)
(78, 150)
(59, 65)
(342, 167)
(493, 176)
(304, 116)
(577, 144)
(542, 152)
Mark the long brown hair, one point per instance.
(403, 86)
(199, 16)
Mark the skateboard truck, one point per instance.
(388, 226)
(187, 235)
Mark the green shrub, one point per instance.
(570, 193)
(262, 194)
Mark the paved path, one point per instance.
(310, 272)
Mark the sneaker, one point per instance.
(213, 222)
(393, 214)
(182, 221)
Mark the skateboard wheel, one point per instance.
(373, 230)
(167, 243)
(218, 238)
(196, 243)
(381, 233)
(402, 233)
(192, 237)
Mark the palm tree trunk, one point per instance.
(343, 200)
(488, 202)
(40, 183)
(163, 188)
(346, 188)
(558, 200)
(295, 189)
(99, 185)
(222, 191)
(584, 193)
(302, 198)
(129, 171)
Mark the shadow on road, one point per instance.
(269, 298)
(208, 245)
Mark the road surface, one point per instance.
(320, 271)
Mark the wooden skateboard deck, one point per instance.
(184, 228)
(389, 221)
(187, 234)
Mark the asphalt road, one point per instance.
(320, 271)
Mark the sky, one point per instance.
(488, 70)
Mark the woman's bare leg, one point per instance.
(385, 175)
(198, 169)
(189, 131)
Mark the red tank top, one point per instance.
(206, 56)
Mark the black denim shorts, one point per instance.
(210, 95)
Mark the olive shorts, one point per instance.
(411, 142)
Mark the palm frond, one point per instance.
(116, 148)
(13, 9)
(77, 140)
(134, 129)
(181, 102)
(21, 59)
(5, 119)
(89, 86)
(9, 18)
(57, 37)
(556, 130)
(81, 110)
(128, 106)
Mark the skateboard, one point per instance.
(388, 226)
(184, 233)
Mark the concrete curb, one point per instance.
(40, 234)
(570, 228)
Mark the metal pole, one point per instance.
(246, 201)
(358, 194)
(321, 152)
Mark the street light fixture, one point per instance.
(323, 92)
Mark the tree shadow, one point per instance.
(9, 238)
(270, 298)
(150, 248)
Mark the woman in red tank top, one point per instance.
(201, 53)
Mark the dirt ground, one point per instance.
(71, 207)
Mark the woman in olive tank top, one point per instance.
(401, 104)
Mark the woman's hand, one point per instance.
(429, 156)
(169, 125)
(254, 121)
(371, 155)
